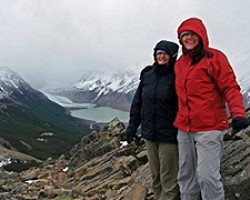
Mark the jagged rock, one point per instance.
(98, 168)
(30, 175)
(232, 135)
(236, 169)
(97, 144)
(138, 192)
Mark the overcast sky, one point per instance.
(56, 41)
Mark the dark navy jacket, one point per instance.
(155, 105)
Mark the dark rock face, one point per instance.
(236, 169)
(100, 168)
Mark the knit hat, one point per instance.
(184, 33)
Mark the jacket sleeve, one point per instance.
(135, 112)
(228, 86)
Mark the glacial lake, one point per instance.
(89, 111)
(100, 114)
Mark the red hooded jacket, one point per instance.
(206, 87)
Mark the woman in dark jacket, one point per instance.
(154, 107)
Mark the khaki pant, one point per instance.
(163, 163)
(200, 156)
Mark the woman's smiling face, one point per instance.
(162, 58)
(189, 40)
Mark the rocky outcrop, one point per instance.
(102, 168)
(236, 166)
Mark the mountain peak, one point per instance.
(10, 77)
(104, 88)
(25, 113)
(6, 73)
(105, 82)
(11, 81)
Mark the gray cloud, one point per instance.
(55, 42)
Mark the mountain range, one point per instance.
(33, 124)
(245, 85)
(115, 90)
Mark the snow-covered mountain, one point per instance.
(10, 80)
(103, 83)
(25, 113)
(115, 90)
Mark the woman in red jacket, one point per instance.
(205, 83)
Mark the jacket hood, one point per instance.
(170, 47)
(167, 46)
(196, 25)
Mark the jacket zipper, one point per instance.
(154, 103)
(187, 102)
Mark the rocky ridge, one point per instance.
(100, 167)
